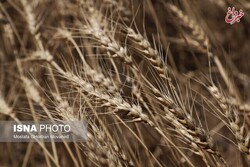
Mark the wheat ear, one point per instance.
(200, 36)
(232, 114)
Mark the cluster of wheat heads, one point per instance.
(159, 83)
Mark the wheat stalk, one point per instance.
(200, 36)
(4, 107)
(232, 114)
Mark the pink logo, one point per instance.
(233, 15)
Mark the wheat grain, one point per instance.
(232, 115)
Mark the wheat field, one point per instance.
(159, 82)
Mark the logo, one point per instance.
(41, 128)
(233, 15)
(26, 131)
